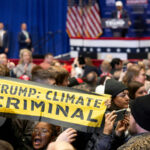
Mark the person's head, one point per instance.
(116, 64)
(140, 115)
(25, 56)
(1, 26)
(4, 71)
(119, 93)
(43, 133)
(4, 145)
(105, 66)
(134, 73)
(23, 26)
(43, 76)
(60, 146)
(119, 5)
(62, 76)
(136, 89)
(49, 58)
(91, 78)
(3, 59)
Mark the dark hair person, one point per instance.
(43, 134)
(136, 89)
(119, 93)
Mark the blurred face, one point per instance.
(140, 92)
(26, 57)
(3, 59)
(118, 66)
(41, 135)
(49, 59)
(141, 77)
(23, 26)
(1, 26)
(119, 8)
(132, 125)
(122, 99)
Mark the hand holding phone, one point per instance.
(120, 114)
(122, 125)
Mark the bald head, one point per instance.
(60, 146)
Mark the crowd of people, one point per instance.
(127, 82)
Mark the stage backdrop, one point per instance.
(46, 20)
(139, 13)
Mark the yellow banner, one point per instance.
(57, 105)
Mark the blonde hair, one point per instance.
(22, 51)
(133, 71)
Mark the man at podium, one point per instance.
(120, 13)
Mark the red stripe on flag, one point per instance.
(84, 21)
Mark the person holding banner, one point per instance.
(120, 13)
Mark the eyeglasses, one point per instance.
(42, 131)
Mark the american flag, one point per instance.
(83, 19)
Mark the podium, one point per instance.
(115, 23)
(119, 27)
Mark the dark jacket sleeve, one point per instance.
(101, 142)
(31, 40)
(117, 141)
(21, 38)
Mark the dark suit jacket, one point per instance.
(124, 14)
(120, 32)
(22, 42)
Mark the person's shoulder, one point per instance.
(141, 140)
(20, 33)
